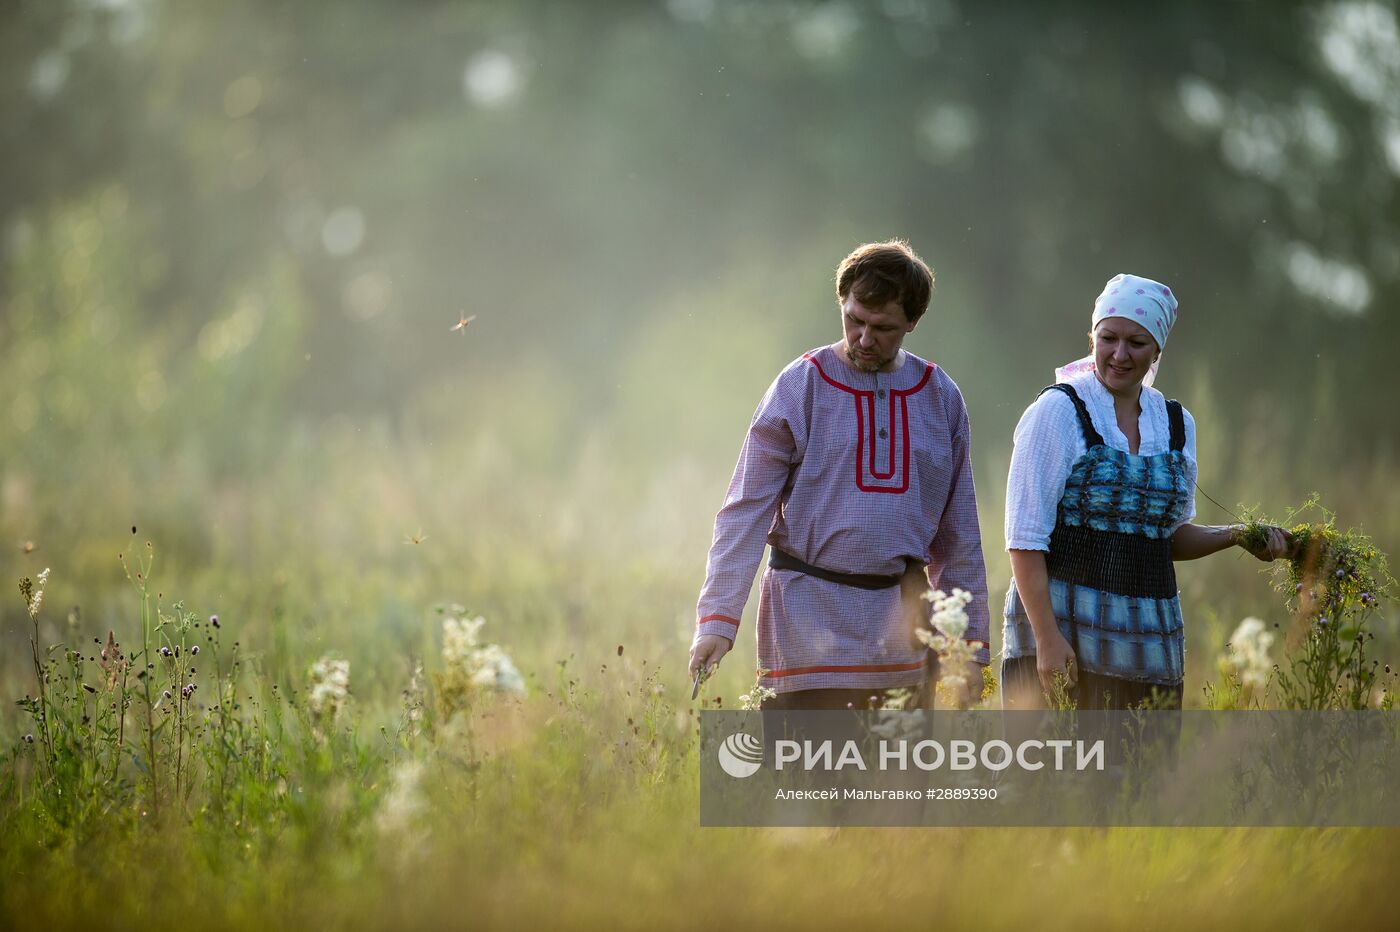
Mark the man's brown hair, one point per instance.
(879, 273)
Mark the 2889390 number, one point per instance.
(950, 793)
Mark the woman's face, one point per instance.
(1123, 353)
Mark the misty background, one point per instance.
(235, 238)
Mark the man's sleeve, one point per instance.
(774, 444)
(955, 556)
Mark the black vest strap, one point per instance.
(1092, 438)
(1178, 424)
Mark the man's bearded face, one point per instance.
(873, 334)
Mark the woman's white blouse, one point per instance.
(1048, 441)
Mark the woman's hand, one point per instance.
(1277, 543)
(1054, 655)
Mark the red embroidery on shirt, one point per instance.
(898, 429)
(844, 668)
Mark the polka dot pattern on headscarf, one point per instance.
(1141, 300)
(1151, 304)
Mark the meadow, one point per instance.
(382, 793)
(454, 571)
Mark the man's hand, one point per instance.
(707, 651)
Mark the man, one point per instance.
(856, 470)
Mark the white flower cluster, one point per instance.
(459, 640)
(949, 611)
(37, 600)
(753, 699)
(1249, 652)
(949, 620)
(330, 687)
(483, 665)
(404, 802)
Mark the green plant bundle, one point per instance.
(1333, 582)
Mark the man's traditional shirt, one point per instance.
(855, 472)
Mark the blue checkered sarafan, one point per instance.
(1112, 582)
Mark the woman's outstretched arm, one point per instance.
(1193, 541)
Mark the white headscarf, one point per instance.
(1141, 300)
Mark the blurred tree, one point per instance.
(564, 170)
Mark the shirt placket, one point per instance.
(881, 426)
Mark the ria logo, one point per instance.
(741, 755)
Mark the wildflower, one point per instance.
(1249, 652)
(214, 620)
(165, 694)
(495, 670)
(754, 698)
(949, 620)
(404, 803)
(480, 666)
(949, 616)
(28, 739)
(165, 651)
(34, 597)
(413, 701)
(330, 687)
(459, 640)
(194, 650)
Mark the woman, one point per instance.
(1098, 505)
